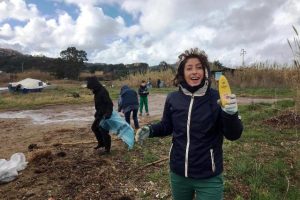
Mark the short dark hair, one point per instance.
(183, 58)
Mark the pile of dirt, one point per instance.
(286, 120)
(77, 171)
(70, 173)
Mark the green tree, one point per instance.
(218, 64)
(163, 65)
(73, 61)
(73, 55)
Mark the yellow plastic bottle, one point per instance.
(224, 89)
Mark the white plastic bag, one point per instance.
(9, 169)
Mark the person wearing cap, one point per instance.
(198, 125)
(104, 108)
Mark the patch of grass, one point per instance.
(264, 92)
(59, 95)
(285, 103)
(264, 163)
(63, 93)
(159, 175)
(149, 156)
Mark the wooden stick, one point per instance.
(74, 143)
(153, 163)
(288, 187)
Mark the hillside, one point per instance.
(9, 53)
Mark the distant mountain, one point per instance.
(9, 52)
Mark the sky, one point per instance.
(151, 31)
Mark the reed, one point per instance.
(263, 75)
(295, 47)
(134, 80)
(258, 75)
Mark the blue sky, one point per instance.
(128, 31)
(50, 8)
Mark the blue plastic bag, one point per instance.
(117, 125)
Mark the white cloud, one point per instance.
(17, 9)
(163, 29)
(6, 31)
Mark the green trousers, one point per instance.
(144, 101)
(205, 189)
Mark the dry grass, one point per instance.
(263, 76)
(295, 47)
(39, 154)
(135, 80)
(260, 75)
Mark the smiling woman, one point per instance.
(198, 125)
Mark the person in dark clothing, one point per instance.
(143, 93)
(198, 125)
(104, 108)
(158, 83)
(128, 102)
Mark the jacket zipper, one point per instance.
(170, 151)
(213, 166)
(188, 137)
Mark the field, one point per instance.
(263, 164)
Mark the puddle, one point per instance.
(3, 89)
(75, 113)
(46, 116)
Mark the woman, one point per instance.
(197, 124)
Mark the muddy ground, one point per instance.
(58, 143)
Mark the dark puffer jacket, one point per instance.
(197, 124)
(128, 99)
(103, 103)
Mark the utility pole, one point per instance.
(243, 52)
(22, 66)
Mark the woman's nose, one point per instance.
(194, 71)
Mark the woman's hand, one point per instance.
(231, 106)
(142, 134)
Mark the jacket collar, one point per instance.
(200, 92)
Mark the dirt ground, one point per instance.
(58, 143)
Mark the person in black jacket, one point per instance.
(128, 102)
(198, 125)
(104, 108)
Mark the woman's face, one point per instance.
(193, 72)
